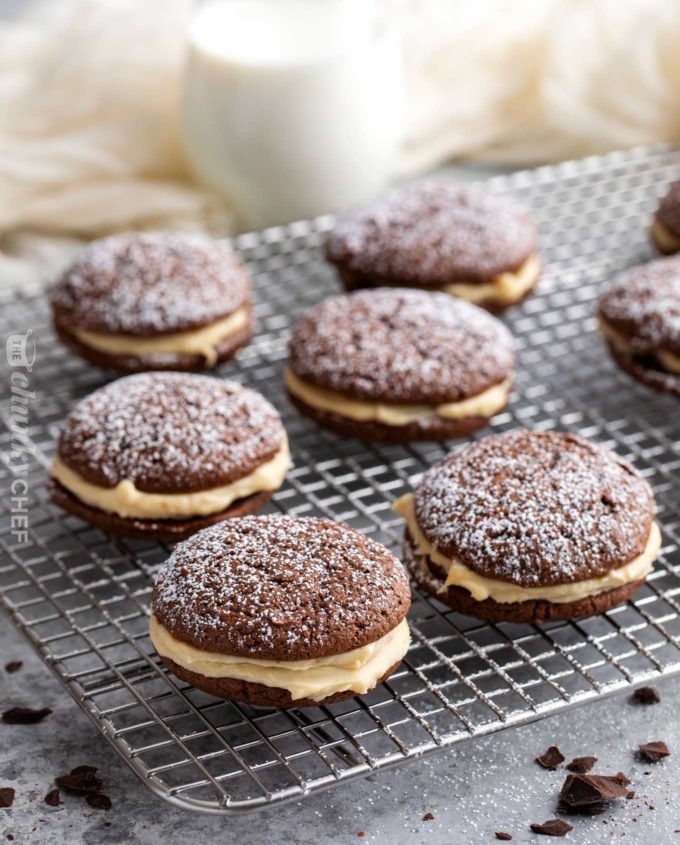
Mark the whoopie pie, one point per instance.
(665, 229)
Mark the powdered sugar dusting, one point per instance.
(535, 508)
(644, 304)
(434, 233)
(170, 432)
(280, 588)
(401, 346)
(145, 284)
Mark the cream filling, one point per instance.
(666, 240)
(127, 501)
(484, 404)
(505, 289)
(203, 341)
(358, 670)
(670, 361)
(481, 588)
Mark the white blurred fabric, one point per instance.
(89, 104)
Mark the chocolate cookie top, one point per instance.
(280, 588)
(149, 284)
(432, 234)
(668, 212)
(644, 305)
(535, 509)
(170, 433)
(396, 345)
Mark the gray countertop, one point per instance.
(472, 791)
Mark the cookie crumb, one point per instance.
(551, 759)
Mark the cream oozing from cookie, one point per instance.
(127, 501)
(316, 678)
(506, 289)
(503, 592)
(484, 404)
(670, 361)
(662, 236)
(203, 341)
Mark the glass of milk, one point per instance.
(292, 108)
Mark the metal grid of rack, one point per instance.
(82, 598)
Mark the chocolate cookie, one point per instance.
(530, 527)
(281, 611)
(399, 365)
(460, 239)
(157, 301)
(161, 455)
(665, 230)
(640, 319)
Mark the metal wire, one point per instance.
(82, 598)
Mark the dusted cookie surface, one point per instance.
(280, 588)
(535, 508)
(164, 454)
(281, 611)
(431, 235)
(640, 318)
(153, 301)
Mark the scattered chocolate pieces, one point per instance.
(53, 799)
(654, 751)
(13, 666)
(428, 817)
(646, 695)
(503, 836)
(80, 779)
(554, 827)
(6, 796)
(25, 715)
(551, 759)
(99, 801)
(589, 793)
(581, 765)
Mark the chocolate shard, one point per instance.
(581, 765)
(503, 836)
(25, 715)
(551, 759)
(53, 798)
(586, 790)
(99, 801)
(13, 666)
(554, 827)
(428, 817)
(646, 695)
(6, 796)
(654, 751)
(80, 779)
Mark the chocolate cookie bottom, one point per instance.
(429, 428)
(260, 695)
(184, 362)
(355, 281)
(535, 612)
(159, 530)
(646, 369)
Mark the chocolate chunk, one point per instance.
(13, 666)
(654, 751)
(581, 765)
(53, 799)
(588, 791)
(428, 817)
(80, 779)
(99, 801)
(6, 796)
(503, 836)
(646, 695)
(554, 827)
(25, 715)
(551, 759)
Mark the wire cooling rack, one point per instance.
(82, 598)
